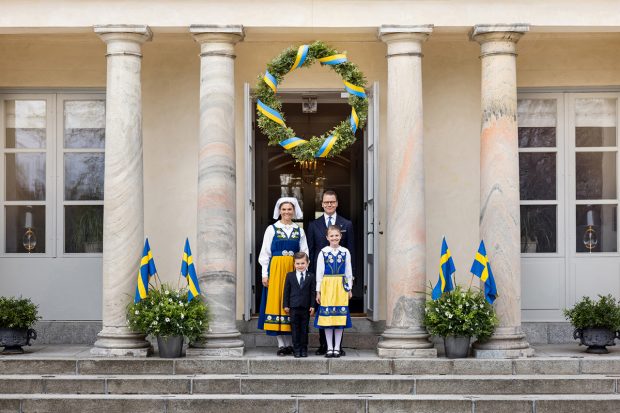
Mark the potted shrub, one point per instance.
(87, 233)
(597, 323)
(457, 316)
(166, 314)
(17, 316)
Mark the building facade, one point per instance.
(126, 120)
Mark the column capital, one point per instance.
(483, 33)
(389, 33)
(213, 33)
(138, 33)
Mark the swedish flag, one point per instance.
(146, 271)
(188, 270)
(481, 268)
(446, 269)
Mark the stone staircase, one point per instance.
(359, 382)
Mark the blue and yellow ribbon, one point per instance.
(354, 90)
(271, 81)
(332, 60)
(292, 142)
(354, 120)
(269, 112)
(327, 146)
(302, 54)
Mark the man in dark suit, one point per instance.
(299, 302)
(317, 239)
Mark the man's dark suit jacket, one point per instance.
(299, 296)
(317, 238)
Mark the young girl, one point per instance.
(334, 279)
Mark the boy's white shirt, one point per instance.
(265, 252)
(320, 266)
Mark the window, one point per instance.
(53, 163)
(594, 132)
(539, 159)
(586, 186)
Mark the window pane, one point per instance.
(84, 228)
(84, 125)
(538, 228)
(25, 122)
(84, 176)
(537, 175)
(537, 120)
(595, 122)
(595, 175)
(25, 176)
(25, 228)
(597, 228)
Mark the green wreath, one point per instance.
(271, 121)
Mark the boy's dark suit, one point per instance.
(317, 240)
(299, 299)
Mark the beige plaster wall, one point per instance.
(451, 77)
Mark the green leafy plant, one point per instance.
(165, 312)
(460, 313)
(18, 312)
(588, 313)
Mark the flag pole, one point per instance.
(471, 280)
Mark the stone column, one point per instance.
(499, 184)
(405, 335)
(217, 223)
(123, 222)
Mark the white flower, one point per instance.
(137, 312)
(167, 320)
(169, 300)
(166, 292)
(201, 324)
(460, 306)
(181, 303)
(182, 316)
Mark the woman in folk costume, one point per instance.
(280, 242)
(334, 279)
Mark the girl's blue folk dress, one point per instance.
(334, 280)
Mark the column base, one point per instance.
(218, 345)
(405, 343)
(120, 342)
(505, 343)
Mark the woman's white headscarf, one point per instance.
(276, 210)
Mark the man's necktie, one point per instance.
(329, 221)
(301, 281)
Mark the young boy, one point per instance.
(299, 302)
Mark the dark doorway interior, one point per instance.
(278, 175)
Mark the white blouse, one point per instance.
(265, 252)
(320, 267)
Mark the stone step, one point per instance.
(312, 365)
(308, 384)
(21, 403)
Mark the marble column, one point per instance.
(405, 335)
(217, 223)
(499, 184)
(123, 222)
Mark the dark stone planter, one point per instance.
(170, 347)
(457, 347)
(596, 339)
(12, 339)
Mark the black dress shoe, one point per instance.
(304, 354)
(289, 350)
(321, 351)
(281, 351)
(297, 355)
(342, 353)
